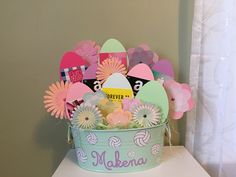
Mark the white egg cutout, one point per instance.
(117, 87)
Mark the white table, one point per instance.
(176, 162)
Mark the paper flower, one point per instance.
(119, 118)
(94, 98)
(86, 116)
(88, 50)
(141, 54)
(129, 103)
(108, 67)
(180, 98)
(54, 99)
(146, 115)
(146, 48)
(106, 106)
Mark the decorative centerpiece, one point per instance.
(117, 104)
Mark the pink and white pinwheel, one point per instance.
(180, 98)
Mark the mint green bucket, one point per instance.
(126, 150)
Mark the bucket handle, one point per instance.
(168, 131)
(69, 134)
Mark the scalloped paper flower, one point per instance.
(106, 106)
(129, 103)
(88, 50)
(94, 98)
(146, 47)
(119, 118)
(86, 116)
(108, 67)
(141, 54)
(54, 99)
(180, 98)
(146, 115)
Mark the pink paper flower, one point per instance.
(141, 54)
(129, 103)
(55, 97)
(146, 47)
(119, 118)
(88, 50)
(180, 98)
(108, 67)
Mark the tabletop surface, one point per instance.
(176, 162)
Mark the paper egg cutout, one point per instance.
(93, 84)
(142, 71)
(165, 67)
(112, 45)
(117, 80)
(75, 96)
(113, 48)
(153, 92)
(72, 67)
(117, 87)
(138, 76)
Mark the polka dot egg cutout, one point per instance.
(153, 92)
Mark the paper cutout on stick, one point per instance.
(93, 84)
(153, 92)
(72, 67)
(138, 76)
(165, 67)
(141, 71)
(88, 50)
(141, 54)
(94, 98)
(113, 48)
(90, 80)
(117, 87)
(54, 99)
(108, 67)
(180, 98)
(90, 72)
(75, 96)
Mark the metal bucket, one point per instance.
(124, 150)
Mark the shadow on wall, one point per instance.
(51, 134)
(185, 35)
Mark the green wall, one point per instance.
(33, 37)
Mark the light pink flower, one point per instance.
(180, 98)
(119, 118)
(129, 103)
(88, 50)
